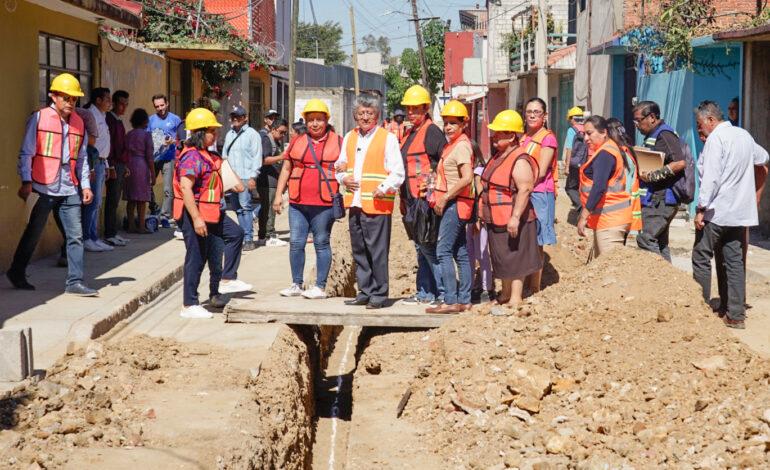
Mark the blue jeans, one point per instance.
(241, 203)
(430, 282)
(91, 211)
(452, 247)
(319, 220)
(68, 208)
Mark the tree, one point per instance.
(380, 44)
(433, 44)
(329, 37)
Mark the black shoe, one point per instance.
(81, 290)
(62, 262)
(357, 301)
(19, 281)
(374, 305)
(476, 296)
(248, 246)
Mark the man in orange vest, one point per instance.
(397, 126)
(371, 170)
(53, 164)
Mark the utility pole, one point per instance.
(293, 58)
(355, 50)
(541, 48)
(418, 33)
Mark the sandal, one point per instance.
(498, 301)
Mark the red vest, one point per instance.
(535, 146)
(46, 162)
(466, 198)
(417, 161)
(614, 208)
(499, 188)
(208, 201)
(329, 155)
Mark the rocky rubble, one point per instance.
(618, 365)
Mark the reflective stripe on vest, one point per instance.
(466, 197)
(372, 174)
(636, 203)
(329, 155)
(210, 197)
(614, 208)
(47, 160)
(417, 162)
(499, 190)
(535, 146)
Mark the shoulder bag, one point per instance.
(338, 205)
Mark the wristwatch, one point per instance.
(700, 210)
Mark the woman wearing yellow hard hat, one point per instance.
(198, 196)
(453, 200)
(506, 210)
(309, 173)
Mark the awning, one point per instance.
(105, 12)
(760, 33)
(199, 51)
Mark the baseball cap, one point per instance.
(238, 111)
(271, 112)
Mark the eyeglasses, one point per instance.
(637, 121)
(236, 117)
(366, 114)
(534, 112)
(71, 99)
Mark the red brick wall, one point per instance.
(263, 22)
(262, 17)
(633, 11)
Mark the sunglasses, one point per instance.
(71, 99)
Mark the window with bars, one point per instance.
(58, 55)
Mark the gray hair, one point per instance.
(709, 108)
(366, 101)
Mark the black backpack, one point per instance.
(684, 187)
(579, 154)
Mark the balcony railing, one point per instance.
(523, 57)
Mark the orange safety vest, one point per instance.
(46, 162)
(499, 188)
(372, 175)
(397, 130)
(327, 158)
(417, 160)
(534, 147)
(636, 201)
(208, 201)
(614, 209)
(467, 196)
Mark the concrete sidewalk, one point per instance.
(126, 278)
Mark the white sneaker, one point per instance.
(195, 311)
(91, 245)
(236, 285)
(275, 242)
(121, 239)
(105, 246)
(115, 241)
(292, 291)
(314, 292)
(178, 235)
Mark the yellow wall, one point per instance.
(142, 75)
(19, 81)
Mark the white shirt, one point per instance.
(394, 164)
(726, 173)
(103, 136)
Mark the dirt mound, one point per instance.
(619, 364)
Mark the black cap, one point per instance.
(238, 111)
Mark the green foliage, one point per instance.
(175, 21)
(433, 47)
(329, 37)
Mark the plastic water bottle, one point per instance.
(430, 185)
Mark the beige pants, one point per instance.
(608, 238)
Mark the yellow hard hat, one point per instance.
(316, 106)
(507, 121)
(415, 96)
(576, 111)
(66, 83)
(454, 109)
(200, 118)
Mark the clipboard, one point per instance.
(29, 204)
(649, 160)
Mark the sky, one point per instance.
(372, 17)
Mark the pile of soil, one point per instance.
(619, 364)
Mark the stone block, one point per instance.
(16, 361)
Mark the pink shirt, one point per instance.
(547, 185)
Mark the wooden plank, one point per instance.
(424, 320)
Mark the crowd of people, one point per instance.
(473, 218)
